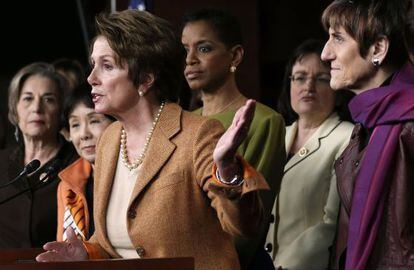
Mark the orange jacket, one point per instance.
(73, 183)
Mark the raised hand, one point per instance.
(226, 148)
(72, 250)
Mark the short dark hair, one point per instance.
(225, 25)
(71, 65)
(342, 97)
(80, 95)
(147, 44)
(366, 21)
(37, 68)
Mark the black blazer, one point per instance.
(29, 220)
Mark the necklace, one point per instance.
(124, 154)
(227, 106)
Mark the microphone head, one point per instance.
(51, 171)
(32, 166)
(54, 167)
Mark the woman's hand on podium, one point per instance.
(71, 250)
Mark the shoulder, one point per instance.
(264, 115)
(264, 111)
(345, 128)
(334, 127)
(9, 156)
(76, 173)
(192, 122)
(111, 131)
(338, 132)
(113, 127)
(6, 153)
(339, 137)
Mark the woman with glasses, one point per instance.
(306, 208)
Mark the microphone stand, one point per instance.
(29, 168)
(43, 182)
(14, 180)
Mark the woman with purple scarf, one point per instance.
(375, 173)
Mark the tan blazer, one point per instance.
(306, 208)
(176, 208)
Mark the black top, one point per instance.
(29, 220)
(89, 200)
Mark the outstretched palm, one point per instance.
(72, 250)
(226, 147)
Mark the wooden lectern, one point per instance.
(24, 259)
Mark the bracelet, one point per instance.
(237, 180)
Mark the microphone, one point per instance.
(45, 178)
(28, 169)
(50, 171)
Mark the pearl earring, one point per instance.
(141, 93)
(233, 69)
(376, 62)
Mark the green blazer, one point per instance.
(264, 149)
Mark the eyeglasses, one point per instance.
(300, 79)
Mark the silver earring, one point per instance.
(16, 133)
(141, 93)
(376, 62)
(233, 69)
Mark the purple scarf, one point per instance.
(383, 109)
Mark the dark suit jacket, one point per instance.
(28, 220)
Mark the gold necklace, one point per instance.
(227, 106)
(124, 154)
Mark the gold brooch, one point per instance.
(303, 152)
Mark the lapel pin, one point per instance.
(303, 152)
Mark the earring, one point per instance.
(233, 69)
(16, 133)
(141, 93)
(376, 62)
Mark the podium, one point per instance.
(24, 259)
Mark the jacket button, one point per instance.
(272, 218)
(140, 251)
(131, 214)
(269, 247)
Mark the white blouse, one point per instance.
(116, 216)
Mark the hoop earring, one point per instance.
(376, 62)
(233, 69)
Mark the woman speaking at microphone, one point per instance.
(157, 192)
(35, 100)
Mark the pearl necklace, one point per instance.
(124, 154)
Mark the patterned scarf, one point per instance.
(383, 110)
(74, 216)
